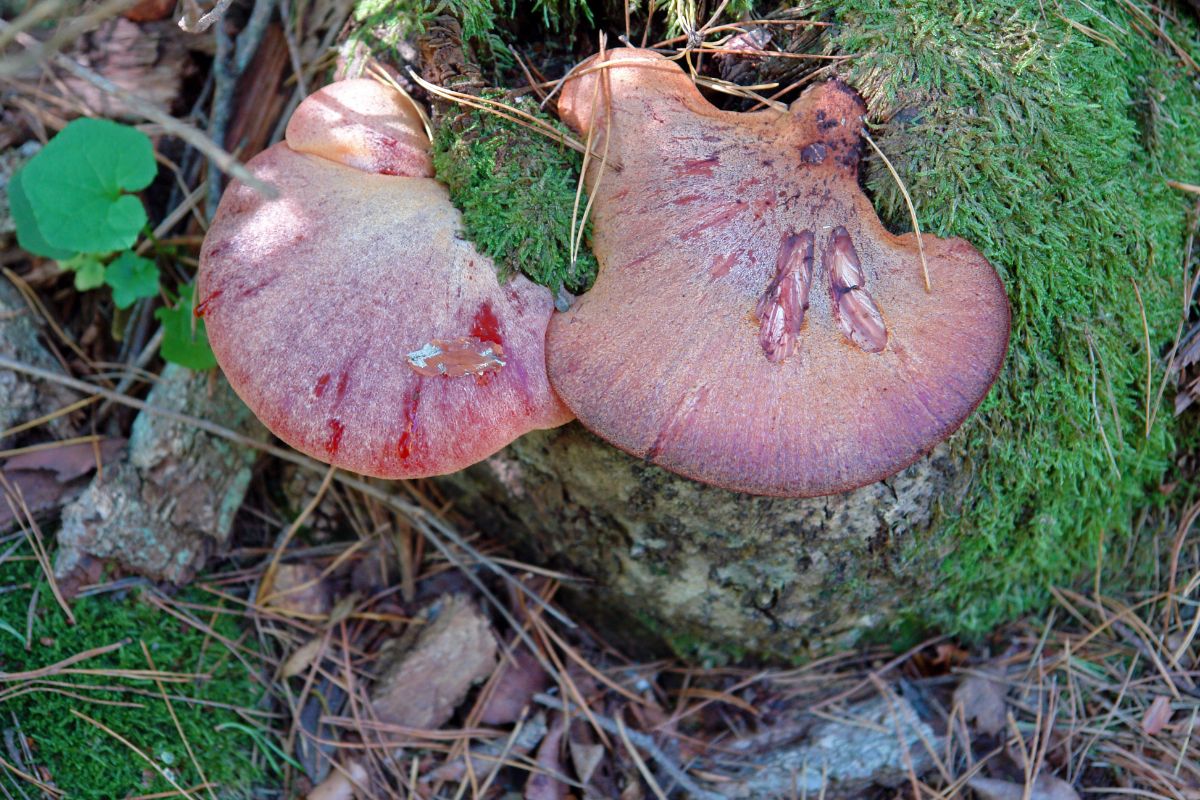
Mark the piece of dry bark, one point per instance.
(422, 687)
(263, 91)
(164, 511)
(1045, 787)
(149, 61)
(22, 398)
(872, 743)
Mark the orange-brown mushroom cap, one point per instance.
(753, 325)
(350, 314)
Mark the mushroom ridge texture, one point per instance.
(753, 324)
(349, 313)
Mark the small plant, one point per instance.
(71, 203)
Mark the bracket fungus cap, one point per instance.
(350, 314)
(753, 324)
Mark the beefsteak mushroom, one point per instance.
(350, 314)
(753, 325)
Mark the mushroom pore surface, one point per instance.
(350, 315)
(753, 324)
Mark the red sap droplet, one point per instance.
(721, 265)
(322, 383)
(485, 326)
(702, 166)
(342, 385)
(408, 439)
(334, 441)
(202, 306)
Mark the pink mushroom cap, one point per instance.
(350, 314)
(753, 324)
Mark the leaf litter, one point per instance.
(458, 673)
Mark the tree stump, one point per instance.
(711, 572)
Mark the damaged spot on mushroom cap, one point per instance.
(848, 371)
(781, 308)
(455, 358)
(313, 301)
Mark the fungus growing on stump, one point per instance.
(349, 313)
(753, 324)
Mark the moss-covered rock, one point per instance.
(1045, 136)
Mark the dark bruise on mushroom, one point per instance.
(350, 314)
(753, 324)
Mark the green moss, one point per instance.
(516, 190)
(384, 23)
(82, 760)
(1049, 151)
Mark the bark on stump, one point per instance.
(711, 572)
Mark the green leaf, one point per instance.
(131, 278)
(75, 186)
(179, 345)
(89, 271)
(29, 237)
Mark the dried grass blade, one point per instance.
(912, 210)
(637, 760)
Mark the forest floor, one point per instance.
(227, 618)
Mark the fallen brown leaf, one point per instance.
(983, 703)
(1157, 716)
(340, 783)
(585, 758)
(422, 687)
(150, 10)
(49, 478)
(298, 590)
(69, 461)
(1045, 787)
(521, 677)
(299, 661)
(542, 785)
